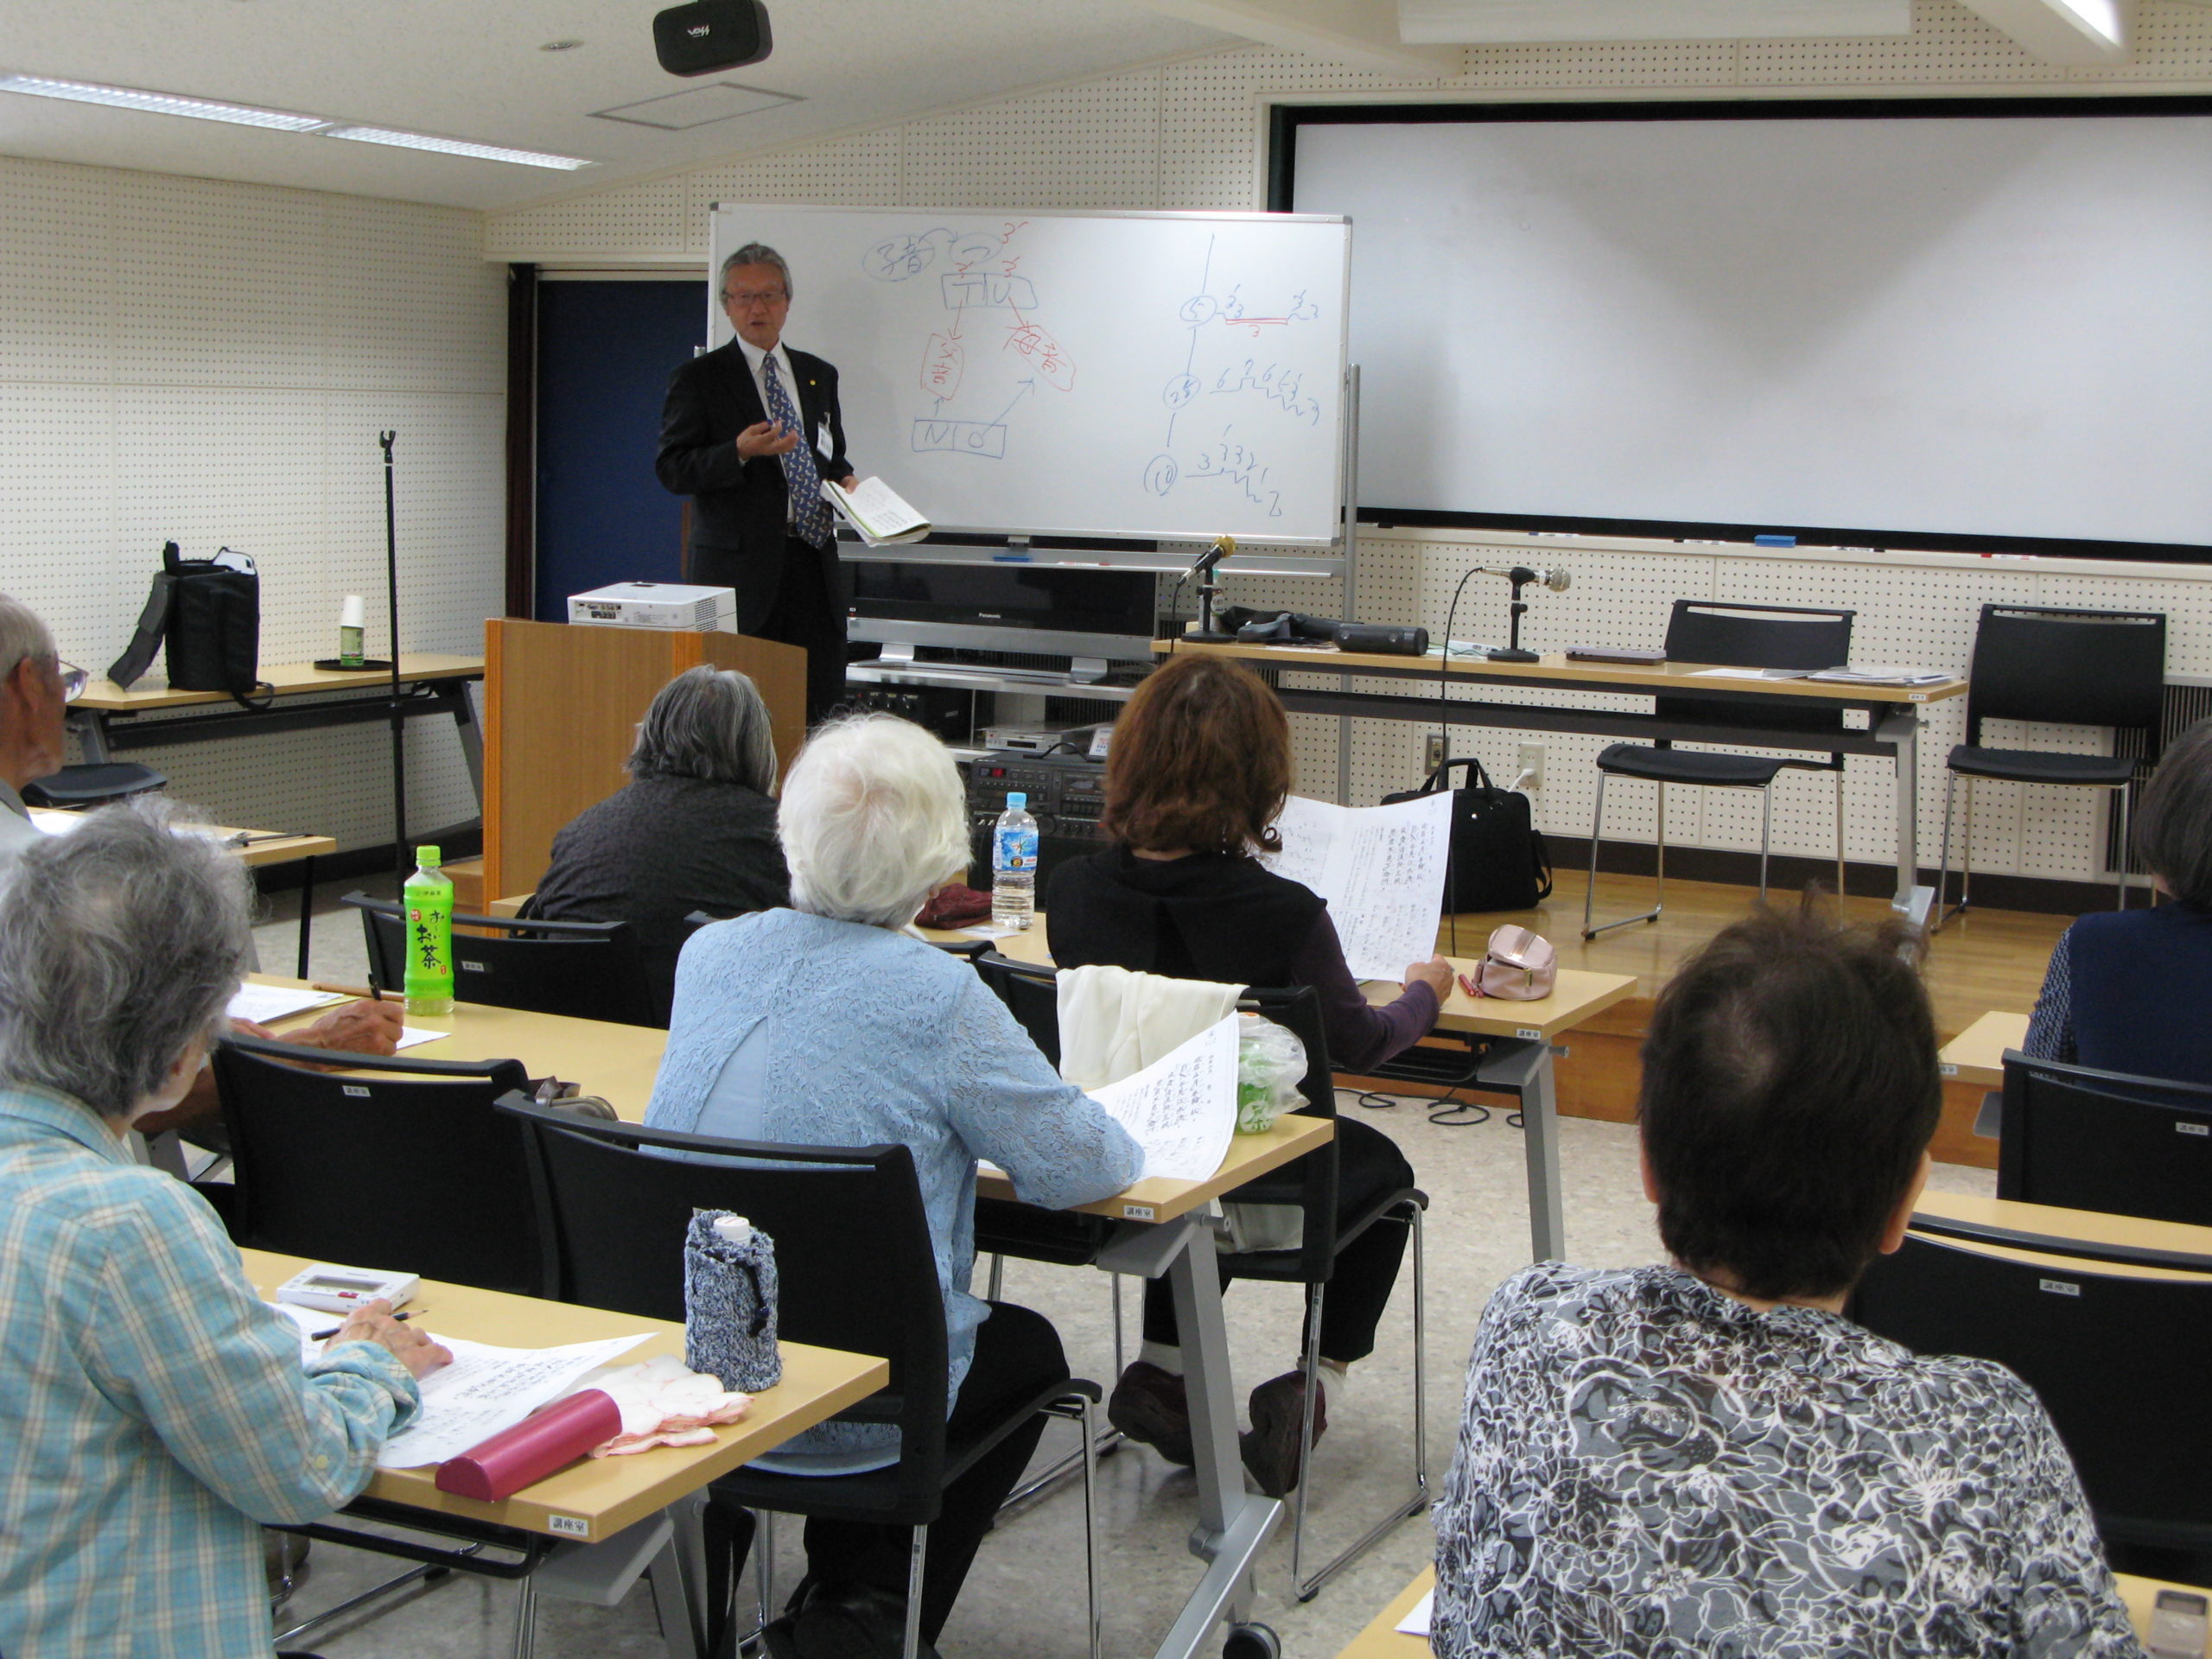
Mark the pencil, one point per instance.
(325, 1336)
(367, 992)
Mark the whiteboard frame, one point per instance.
(719, 333)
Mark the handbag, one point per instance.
(1498, 860)
(1518, 966)
(209, 613)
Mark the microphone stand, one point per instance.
(1519, 608)
(398, 715)
(1209, 588)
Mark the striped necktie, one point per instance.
(810, 512)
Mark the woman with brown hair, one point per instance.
(1195, 779)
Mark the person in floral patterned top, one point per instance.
(1707, 1458)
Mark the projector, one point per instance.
(657, 604)
(710, 35)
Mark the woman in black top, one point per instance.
(694, 829)
(1196, 775)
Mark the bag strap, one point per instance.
(1477, 777)
(255, 698)
(153, 622)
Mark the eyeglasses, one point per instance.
(73, 680)
(747, 301)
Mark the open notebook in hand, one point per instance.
(881, 514)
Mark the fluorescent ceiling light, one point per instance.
(454, 146)
(130, 98)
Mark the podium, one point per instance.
(561, 703)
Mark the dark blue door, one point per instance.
(605, 351)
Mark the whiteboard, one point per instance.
(1174, 376)
(1993, 325)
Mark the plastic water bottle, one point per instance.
(1013, 865)
(428, 898)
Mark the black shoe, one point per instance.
(1149, 1406)
(841, 1621)
(1271, 1447)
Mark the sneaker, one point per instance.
(1148, 1406)
(1270, 1446)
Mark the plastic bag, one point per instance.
(1270, 1065)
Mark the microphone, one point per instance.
(1222, 547)
(1558, 580)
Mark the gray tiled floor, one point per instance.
(1023, 1598)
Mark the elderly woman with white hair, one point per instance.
(828, 1024)
(154, 1410)
(694, 831)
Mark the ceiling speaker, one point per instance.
(710, 35)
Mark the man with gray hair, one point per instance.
(749, 432)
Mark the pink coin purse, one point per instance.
(1518, 966)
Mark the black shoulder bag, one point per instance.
(210, 611)
(1498, 859)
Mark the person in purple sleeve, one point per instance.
(1196, 775)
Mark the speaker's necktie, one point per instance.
(810, 512)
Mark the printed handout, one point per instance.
(1380, 868)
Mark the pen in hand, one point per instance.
(398, 1319)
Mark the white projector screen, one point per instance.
(1973, 326)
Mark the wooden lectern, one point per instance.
(561, 703)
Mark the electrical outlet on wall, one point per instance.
(1432, 751)
(1532, 762)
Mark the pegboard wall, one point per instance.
(210, 363)
(1190, 134)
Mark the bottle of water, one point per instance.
(428, 898)
(1013, 864)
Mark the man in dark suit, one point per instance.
(749, 432)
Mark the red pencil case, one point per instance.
(543, 1442)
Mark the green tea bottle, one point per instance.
(428, 897)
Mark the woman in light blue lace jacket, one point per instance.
(828, 1025)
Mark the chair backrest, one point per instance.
(1729, 635)
(854, 1265)
(2069, 667)
(391, 1163)
(2087, 1140)
(2118, 1359)
(1032, 995)
(586, 970)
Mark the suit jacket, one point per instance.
(739, 508)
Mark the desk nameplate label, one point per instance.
(1948, 1069)
(569, 1526)
(1533, 1033)
(1138, 1211)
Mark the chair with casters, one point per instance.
(452, 1201)
(856, 1269)
(1729, 635)
(585, 970)
(1309, 1184)
(2057, 666)
(2117, 1356)
(93, 784)
(2083, 1139)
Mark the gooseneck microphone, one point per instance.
(1518, 574)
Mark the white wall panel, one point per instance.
(210, 362)
(1189, 134)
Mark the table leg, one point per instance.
(1524, 1067)
(306, 913)
(1916, 901)
(1233, 1523)
(90, 727)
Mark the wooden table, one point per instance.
(1162, 1233)
(1382, 1640)
(106, 717)
(598, 1497)
(1519, 1062)
(1976, 1055)
(2076, 1231)
(1893, 712)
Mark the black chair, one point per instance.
(391, 1163)
(2057, 666)
(2118, 1359)
(586, 970)
(2087, 1140)
(1309, 1182)
(92, 784)
(1731, 636)
(856, 1271)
